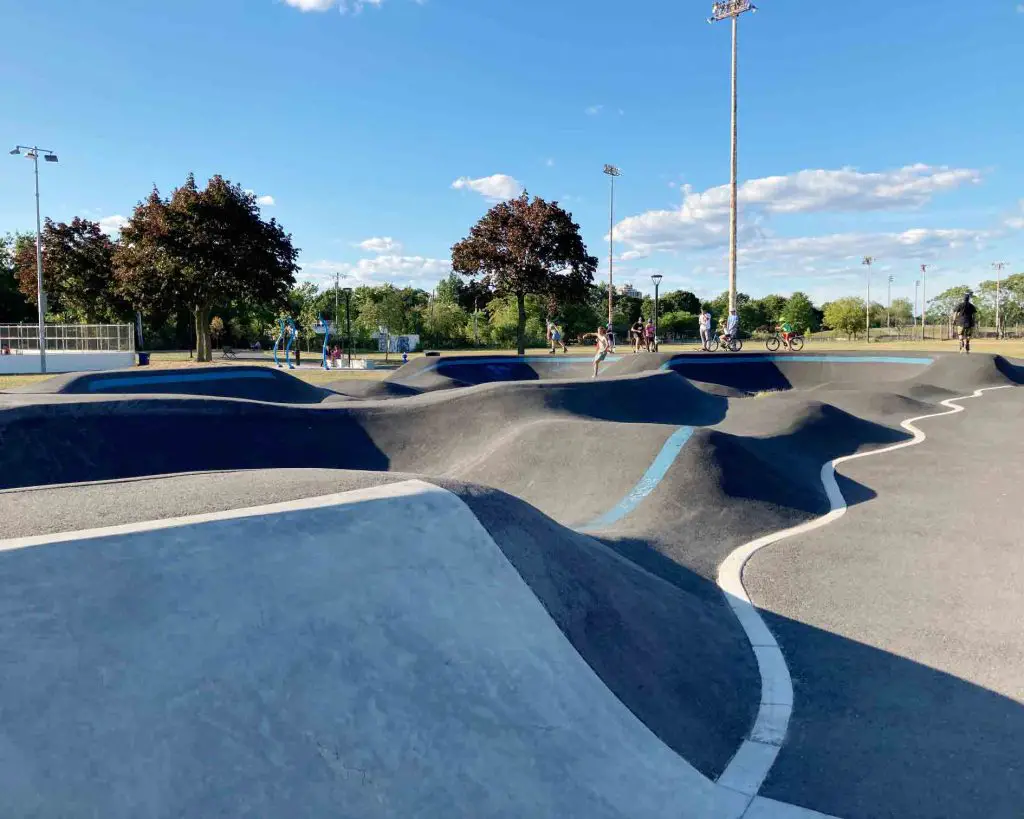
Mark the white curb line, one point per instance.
(755, 757)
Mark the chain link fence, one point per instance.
(16, 339)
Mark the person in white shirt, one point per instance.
(705, 328)
(603, 346)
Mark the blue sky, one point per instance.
(380, 131)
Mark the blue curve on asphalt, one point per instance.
(181, 378)
(648, 483)
(819, 359)
(578, 360)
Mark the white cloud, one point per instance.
(381, 244)
(1016, 222)
(702, 220)
(112, 224)
(593, 110)
(267, 200)
(344, 6)
(497, 187)
(402, 271)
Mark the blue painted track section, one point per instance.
(648, 483)
(174, 378)
(717, 360)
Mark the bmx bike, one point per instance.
(774, 341)
(729, 344)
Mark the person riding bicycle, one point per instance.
(787, 332)
(732, 326)
(964, 318)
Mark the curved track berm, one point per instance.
(614, 499)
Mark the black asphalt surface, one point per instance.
(902, 625)
(539, 448)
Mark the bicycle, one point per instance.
(229, 353)
(733, 345)
(774, 341)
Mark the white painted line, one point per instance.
(388, 490)
(756, 756)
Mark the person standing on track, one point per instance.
(964, 319)
(649, 335)
(555, 337)
(636, 335)
(602, 348)
(705, 329)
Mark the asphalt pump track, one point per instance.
(484, 586)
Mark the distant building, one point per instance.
(630, 292)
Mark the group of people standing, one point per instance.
(728, 329)
(642, 336)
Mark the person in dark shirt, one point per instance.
(964, 319)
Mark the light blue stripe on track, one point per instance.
(647, 484)
(175, 378)
(531, 359)
(819, 359)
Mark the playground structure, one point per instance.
(324, 328)
(287, 324)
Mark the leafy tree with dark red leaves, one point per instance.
(201, 248)
(78, 272)
(14, 307)
(523, 246)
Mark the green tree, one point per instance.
(901, 311)
(382, 307)
(14, 307)
(679, 323)
(444, 323)
(523, 247)
(504, 321)
(1011, 300)
(449, 290)
(800, 312)
(941, 307)
(772, 308)
(679, 301)
(199, 248)
(216, 328)
(846, 315)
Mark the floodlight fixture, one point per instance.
(727, 9)
(611, 170)
(50, 157)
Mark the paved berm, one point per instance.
(613, 501)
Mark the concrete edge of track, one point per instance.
(754, 759)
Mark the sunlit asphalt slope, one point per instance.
(614, 499)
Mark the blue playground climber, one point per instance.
(287, 328)
(324, 327)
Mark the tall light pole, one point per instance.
(917, 287)
(656, 278)
(868, 261)
(611, 172)
(348, 325)
(924, 299)
(49, 156)
(998, 267)
(731, 10)
(888, 309)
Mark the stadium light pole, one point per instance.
(731, 10)
(348, 325)
(868, 261)
(917, 293)
(49, 156)
(998, 267)
(924, 299)
(656, 278)
(888, 309)
(611, 171)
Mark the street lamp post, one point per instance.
(611, 171)
(888, 309)
(868, 261)
(49, 156)
(924, 300)
(917, 288)
(731, 10)
(348, 325)
(998, 267)
(656, 278)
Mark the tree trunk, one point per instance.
(203, 351)
(521, 324)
